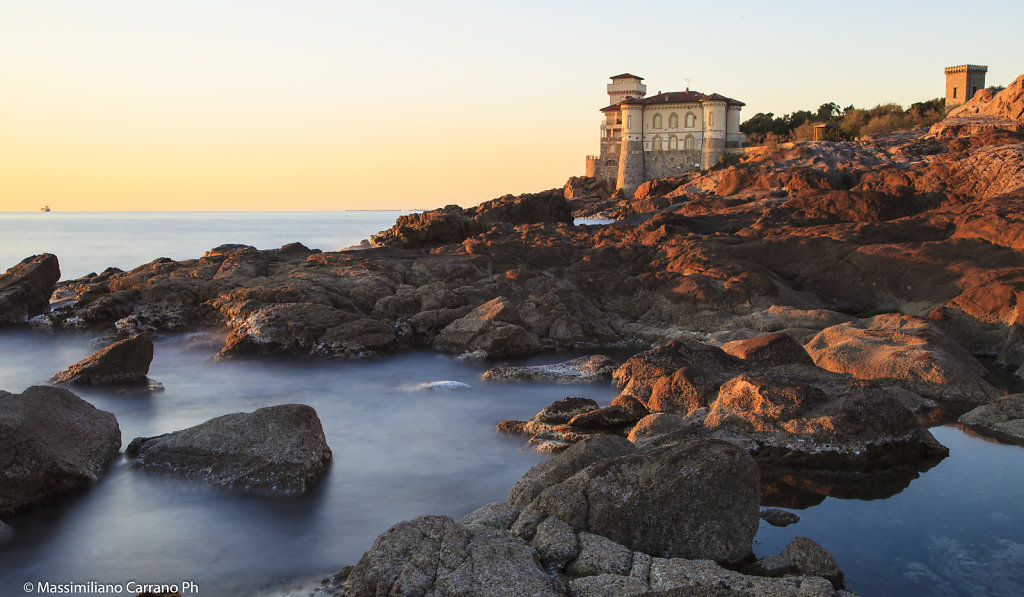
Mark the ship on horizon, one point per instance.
(45, 208)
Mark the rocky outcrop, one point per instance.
(123, 362)
(494, 328)
(453, 224)
(434, 555)
(778, 518)
(635, 500)
(279, 449)
(801, 557)
(581, 370)
(26, 288)
(1002, 419)
(51, 442)
(906, 351)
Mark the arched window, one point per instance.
(673, 121)
(689, 142)
(656, 145)
(691, 120)
(673, 143)
(610, 164)
(657, 121)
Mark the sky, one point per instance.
(268, 105)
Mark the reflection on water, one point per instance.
(789, 488)
(397, 455)
(956, 529)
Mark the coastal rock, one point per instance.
(278, 449)
(25, 289)
(1002, 419)
(51, 442)
(678, 377)
(123, 362)
(778, 518)
(607, 585)
(801, 557)
(636, 500)
(494, 328)
(581, 370)
(441, 386)
(574, 459)
(497, 515)
(434, 555)
(610, 419)
(906, 351)
(769, 349)
(565, 409)
(677, 577)
(656, 424)
(5, 532)
(600, 555)
(555, 542)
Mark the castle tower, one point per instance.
(631, 156)
(963, 81)
(625, 85)
(715, 124)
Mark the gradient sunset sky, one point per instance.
(325, 105)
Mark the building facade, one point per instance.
(643, 138)
(963, 81)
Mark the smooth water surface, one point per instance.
(87, 242)
(398, 454)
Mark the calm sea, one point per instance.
(956, 530)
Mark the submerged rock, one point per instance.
(440, 386)
(124, 362)
(278, 449)
(801, 557)
(778, 518)
(582, 370)
(26, 288)
(51, 441)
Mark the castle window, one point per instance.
(954, 92)
(673, 121)
(691, 120)
(673, 143)
(657, 121)
(711, 119)
(689, 142)
(656, 145)
(629, 121)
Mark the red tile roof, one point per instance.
(676, 97)
(626, 76)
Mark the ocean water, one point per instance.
(958, 529)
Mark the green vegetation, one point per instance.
(853, 122)
(730, 159)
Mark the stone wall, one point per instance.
(660, 164)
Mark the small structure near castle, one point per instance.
(963, 81)
(643, 138)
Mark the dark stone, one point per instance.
(126, 361)
(26, 288)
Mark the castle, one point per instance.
(643, 138)
(962, 82)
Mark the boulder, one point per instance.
(496, 515)
(694, 500)
(1003, 419)
(555, 542)
(494, 328)
(903, 350)
(769, 350)
(123, 362)
(678, 377)
(599, 555)
(434, 555)
(607, 585)
(801, 557)
(565, 465)
(656, 424)
(582, 370)
(565, 409)
(51, 441)
(778, 518)
(677, 577)
(279, 449)
(26, 288)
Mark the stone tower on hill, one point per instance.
(643, 138)
(963, 81)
